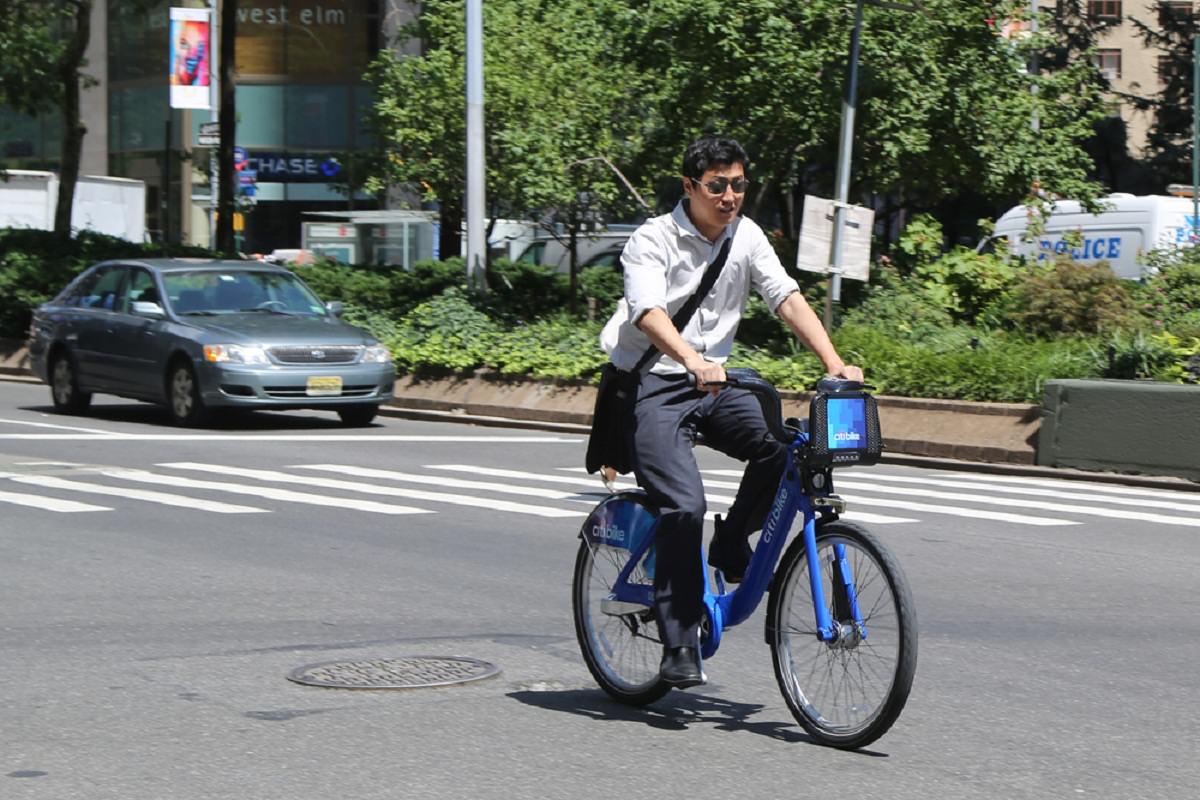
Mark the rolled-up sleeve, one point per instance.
(644, 263)
(770, 278)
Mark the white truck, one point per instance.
(1121, 234)
(115, 206)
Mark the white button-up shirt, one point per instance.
(664, 262)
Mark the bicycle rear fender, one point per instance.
(627, 521)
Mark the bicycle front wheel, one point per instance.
(620, 645)
(846, 693)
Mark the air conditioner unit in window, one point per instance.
(1110, 73)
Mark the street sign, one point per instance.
(209, 135)
(816, 238)
(239, 158)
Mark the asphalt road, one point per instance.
(156, 588)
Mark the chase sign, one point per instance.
(294, 167)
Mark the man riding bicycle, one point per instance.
(664, 262)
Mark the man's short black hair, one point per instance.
(709, 150)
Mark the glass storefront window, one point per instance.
(137, 118)
(137, 40)
(260, 116)
(319, 117)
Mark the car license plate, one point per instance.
(324, 386)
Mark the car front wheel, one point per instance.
(64, 387)
(183, 397)
(358, 416)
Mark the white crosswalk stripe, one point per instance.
(1099, 494)
(162, 498)
(306, 498)
(49, 503)
(367, 488)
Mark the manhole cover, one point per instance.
(409, 672)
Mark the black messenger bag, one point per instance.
(611, 441)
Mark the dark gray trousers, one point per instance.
(669, 414)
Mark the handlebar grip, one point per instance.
(832, 385)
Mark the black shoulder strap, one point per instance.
(685, 312)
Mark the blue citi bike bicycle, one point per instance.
(840, 623)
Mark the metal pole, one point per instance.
(845, 148)
(1195, 139)
(214, 94)
(476, 241)
(1033, 65)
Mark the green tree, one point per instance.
(561, 105)
(1169, 142)
(42, 46)
(945, 103)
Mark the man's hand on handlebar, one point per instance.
(849, 372)
(706, 372)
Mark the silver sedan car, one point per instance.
(199, 335)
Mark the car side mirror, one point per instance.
(335, 307)
(151, 310)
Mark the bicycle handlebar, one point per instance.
(768, 398)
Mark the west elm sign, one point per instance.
(294, 167)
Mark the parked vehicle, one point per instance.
(595, 249)
(114, 206)
(1120, 235)
(200, 335)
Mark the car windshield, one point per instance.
(206, 292)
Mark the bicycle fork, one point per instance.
(843, 626)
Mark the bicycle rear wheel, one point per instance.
(845, 694)
(622, 650)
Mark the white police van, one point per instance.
(1120, 235)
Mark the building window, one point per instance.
(1108, 61)
(1174, 12)
(1169, 69)
(1104, 9)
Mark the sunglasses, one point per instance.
(719, 185)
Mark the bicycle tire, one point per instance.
(848, 695)
(622, 652)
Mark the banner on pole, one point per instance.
(190, 48)
(816, 238)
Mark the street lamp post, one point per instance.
(476, 237)
(846, 148)
(1195, 139)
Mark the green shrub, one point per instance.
(606, 285)
(350, 285)
(1186, 326)
(966, 284)
(524, 291)
(446, 332)
(557, 346)
(964, 364)
(1068, 297)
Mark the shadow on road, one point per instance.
(678, 711)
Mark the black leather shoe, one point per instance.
(681, 667)
(729, 552)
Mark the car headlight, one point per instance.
(235, 354)
(376, 354)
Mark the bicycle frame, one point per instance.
(726, 609)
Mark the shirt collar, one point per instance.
(684, 226)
